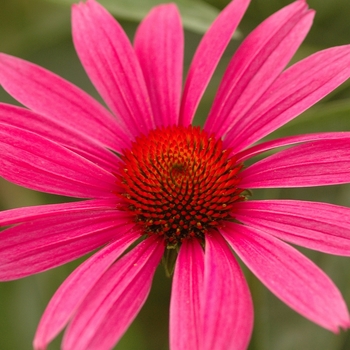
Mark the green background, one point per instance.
(39, 31)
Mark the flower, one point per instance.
(152, 185)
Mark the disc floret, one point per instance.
(179, 183)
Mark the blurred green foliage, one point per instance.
(39, 30)
(196, 14)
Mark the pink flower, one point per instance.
(144, 171)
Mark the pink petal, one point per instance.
(322, 162)
(320, 226)
(227, 311)
(185, 323)
(40, 164)
(21, 215)
(208, 55)
(60, 102)
(115, 300)
(159, 46)
(290, 276)
(297, 89)
(256, 64)
(287, 141)
(110, 61)
(53, 129)
(41, 244)
(74, 289)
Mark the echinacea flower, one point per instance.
(154, 186)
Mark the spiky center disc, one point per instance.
(179, 183)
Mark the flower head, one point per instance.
(151, 184)
(179, 183)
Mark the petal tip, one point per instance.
(39, 345)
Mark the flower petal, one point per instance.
(227, 311)
(297, 89)
(60, 101)
(21, 215)
(185, 322)
(256, 64)
(320, 226)
(159, 46)
(54, 130)
(322, 162)
(40, 164)
(115, 300)
(207, 56)
(40, 244)
(287, 141)
(290, 276)
(74, 289)
(110, 61)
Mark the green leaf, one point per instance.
(196, 14)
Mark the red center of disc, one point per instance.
(179, 183)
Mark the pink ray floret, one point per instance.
(149, 184)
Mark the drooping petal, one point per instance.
(110, 61)
(320, 226)
(227, 311)
(21, 215)
(257, 63)
(159, 46)
(290, 276)
(322, 162)
(185, 322)
(60, 132)
(60, 101)
(297, 89)
(115, 300)
(40, 244)
(287, 141)
(207, 56)
(32, 161)
(74, 289)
